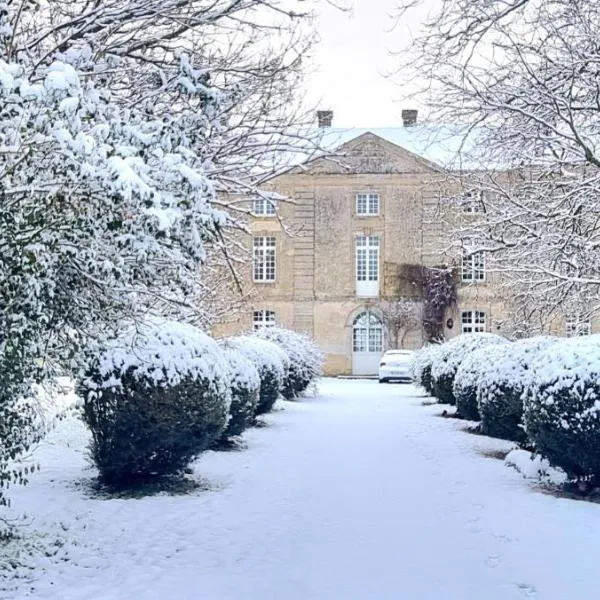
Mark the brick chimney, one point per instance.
(409, 117)
(325, 118)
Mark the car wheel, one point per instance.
(383, 381)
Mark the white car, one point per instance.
(394, 365)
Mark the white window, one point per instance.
(473, 266)
(263, 266)
(367, 333)
(263, 318)
(473, 321)
(261, 207)
(472, 202)
(367, 265)
(578, 325)
(367, 204)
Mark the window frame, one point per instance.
(263, 318)
(367, 333)
(370, 251)
(472, 202)
(264, 259)
(473, 266)
(577, 326)
(263, 207)
(475, 323)
(367, 200)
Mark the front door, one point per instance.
(367, 344)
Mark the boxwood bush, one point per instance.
(421, 364)
(306, 360)
(466, 382)
(244, 383)
(501, 386)
(562, 406)
(271, 362)
(154, 401)
(449, 358)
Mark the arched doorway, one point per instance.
(367, 343)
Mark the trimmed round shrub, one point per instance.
(466, 382)
(562, 406)
(501, 386)
(244, 383)
(450, 357)
(271, 362)
(420, 366)
(306, 360)
(154, 401)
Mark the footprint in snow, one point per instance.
(493, 560)
(528, 590)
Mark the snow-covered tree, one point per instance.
(400, 316)
(519, 80)
(250, 54)
(124, 128)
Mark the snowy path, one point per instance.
(358, 494)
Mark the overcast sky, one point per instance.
(353, 60)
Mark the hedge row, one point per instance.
(156, 398)
(541, 391)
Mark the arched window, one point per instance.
(367, 333)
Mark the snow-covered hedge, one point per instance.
(466, 382)
(421, 364)
(244, 383)
(450, 357)
(271, 362)
(306, 360)
(501, 386)
(562, 406)
(154, 401)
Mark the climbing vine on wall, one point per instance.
(439, 294)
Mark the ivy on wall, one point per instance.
(435, 286)
(439, 292)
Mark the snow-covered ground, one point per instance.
(359, 493)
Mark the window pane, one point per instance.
(270, 264)
(374, 204)
(373, 264)
(367, 334)
(262, 206)
(361, 264)
(473, 266)
(578, 325)
(472, 202)
(361, 204)
(375, 340)
(258, 265)
(263, 318)
(473, 322)
(367, 204)
(264, 258)
(360, 340)
(258, 206)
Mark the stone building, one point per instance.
(343, 259)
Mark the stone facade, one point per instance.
(315, 288)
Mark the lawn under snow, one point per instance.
(359, 493)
